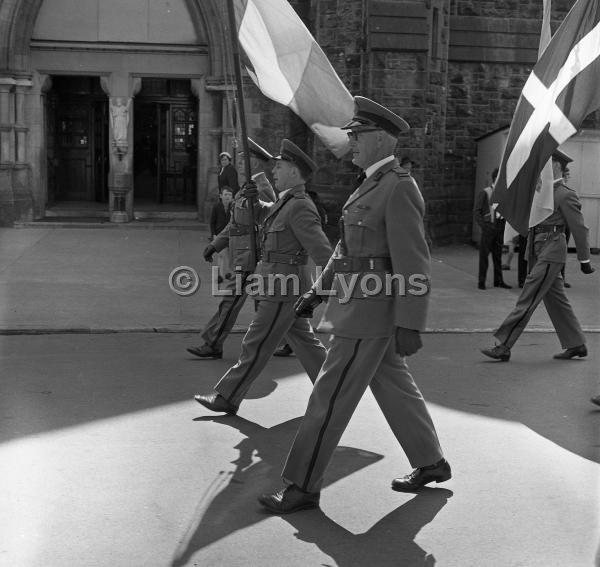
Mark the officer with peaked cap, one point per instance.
(547, 253)
(290, 233)
(375, 322)
(236, 236)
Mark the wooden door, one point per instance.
(74, 151)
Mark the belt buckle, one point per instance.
(371, 264)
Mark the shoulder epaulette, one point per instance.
(400, 172)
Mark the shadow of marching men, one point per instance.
(230, 502)
(391, 541)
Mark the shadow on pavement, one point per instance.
(230, 504)
(551, 397)
(391, 541)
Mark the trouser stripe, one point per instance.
(532, 303)
(231, 310)
(258, 349)
(340, 383)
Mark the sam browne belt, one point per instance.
(349, 264)
(544, 228)
(280, 258)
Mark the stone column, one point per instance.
(120, 177)
(22, 87)
(7, 123)
(120, 88)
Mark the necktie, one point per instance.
(359, 179)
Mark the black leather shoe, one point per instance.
(216, 402)
(206, 352)
(503, 285)
(285, 350)
(480, 286)
(438, 472)
(499, 352)
(580, 350)
(290, 499)
(596, 400)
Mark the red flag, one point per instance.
(289, 67)
(560, 92)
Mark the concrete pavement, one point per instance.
(106, 460)
(67, 279)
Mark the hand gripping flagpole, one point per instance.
(242, 115)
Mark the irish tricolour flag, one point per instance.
(289, 67)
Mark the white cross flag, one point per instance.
(562, 89)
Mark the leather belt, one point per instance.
(238, 230)
(280, 258)
(352, 264)
(545, 228)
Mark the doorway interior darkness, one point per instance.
(77, 140)
(165, 143)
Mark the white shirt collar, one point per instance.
(374, 167)
(284, 193)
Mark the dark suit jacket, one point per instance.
(228, 177)
(219, 217)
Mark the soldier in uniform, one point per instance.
(237, 236)
(291, 231)
(544, 281)
(374, 329)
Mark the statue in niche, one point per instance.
(119, 121)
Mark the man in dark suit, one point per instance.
(383, 240)
(291, 232)
(544, 281)
(492, 235)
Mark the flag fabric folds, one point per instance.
(289, 67)
(542, 205)
(560, 92)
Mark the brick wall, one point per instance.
(454, 76)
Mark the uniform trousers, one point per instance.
(272, 320)
(351, 366)
(544, 282)
(492, 236)
(222, 321)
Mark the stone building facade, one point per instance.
(152, 85)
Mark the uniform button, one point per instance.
(364, 295)
(359, 222)
(345, 211)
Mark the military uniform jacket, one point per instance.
(290, 232)
(552, 246)
(383, 218)
(237, 234)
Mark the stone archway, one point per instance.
(22, 153)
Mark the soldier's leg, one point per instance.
(484, 251)
(306, 345)
(271, 321)
(497, 255)
(562, 316)
(223, 320)
(344, 377)
(404, 409)
(539, 280)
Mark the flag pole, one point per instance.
(242, 116)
